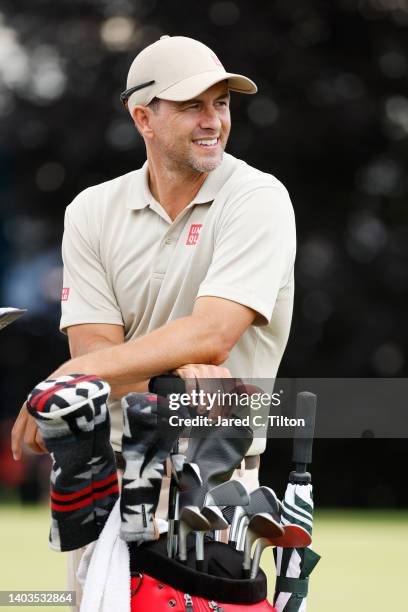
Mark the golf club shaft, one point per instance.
(246, 566)
(259, 548)
(176, 527)
(164, 386)
(241, 532)
(182, 545)
(200, 551)
(171, 516)
(234, 530)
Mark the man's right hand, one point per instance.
(210, 379)
(25, 430)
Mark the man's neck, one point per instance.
(173, 188)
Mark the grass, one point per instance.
(26, 561)
(363, 565)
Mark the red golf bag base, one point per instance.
(159, 583)
(147, 593)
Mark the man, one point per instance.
(186, 263)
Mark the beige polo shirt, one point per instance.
(127, 263)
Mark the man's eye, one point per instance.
(192, 107)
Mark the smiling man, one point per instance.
(185, 264)
(183, 140)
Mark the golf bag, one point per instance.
(220, 587)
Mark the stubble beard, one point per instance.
(191, 162)
(204, 165)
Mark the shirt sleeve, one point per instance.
(87, 295)
(254, 251)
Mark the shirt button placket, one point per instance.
(163, 258)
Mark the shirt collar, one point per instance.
(140, 195)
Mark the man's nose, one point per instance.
(210, 118)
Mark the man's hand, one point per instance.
(25, 430)
(212, 380)
(201, 370)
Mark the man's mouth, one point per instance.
(207, 143)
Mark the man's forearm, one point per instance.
(97, 344)
(187, 340)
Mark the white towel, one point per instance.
(104, 570)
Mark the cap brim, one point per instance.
(195, 85)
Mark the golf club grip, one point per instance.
(165, 384)
(303, 437)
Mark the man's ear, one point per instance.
(141, 116)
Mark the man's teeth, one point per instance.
(207, 143)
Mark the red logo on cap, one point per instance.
(64, 294)
(194, 233)
(216, 60)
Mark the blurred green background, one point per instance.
(363, 558)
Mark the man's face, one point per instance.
(193, 134)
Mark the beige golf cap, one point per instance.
(177, 68)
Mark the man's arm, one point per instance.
(91, 337)
(82, 339)
(205, 337)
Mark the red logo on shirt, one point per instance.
(194, 233)
(64, 294)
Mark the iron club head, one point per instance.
(294, 536)
(191, 520)
(230, 493)
(260, 525)
(217, 522)
(263, 499)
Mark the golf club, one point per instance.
(260, 525)
(217, 522)
(262, 499)
(185, 476)
(163, 386)
(177, 462)
(293, 537)
(191, 520)
(231, 494)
